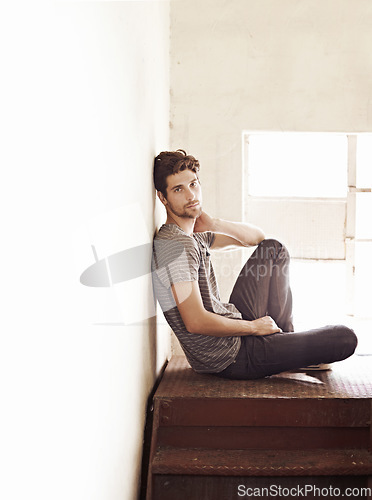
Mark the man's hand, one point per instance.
(198, 320)
(264, 326)
(204, 223)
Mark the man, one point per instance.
(251, 336)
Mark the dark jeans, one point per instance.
(261, 289)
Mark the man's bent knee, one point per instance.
(272, 249)
(346, 338)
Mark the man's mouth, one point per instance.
(193, 205)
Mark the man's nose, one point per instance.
(190, 194)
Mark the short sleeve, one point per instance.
(209, 238)
(176, 261)
(205, 239)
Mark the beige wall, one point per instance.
(86, 88)
(264, 65)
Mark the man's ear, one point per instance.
(161, 197)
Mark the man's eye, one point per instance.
(177, 190)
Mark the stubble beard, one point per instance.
(188, 213)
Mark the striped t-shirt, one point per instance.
(178, 257)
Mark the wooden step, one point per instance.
(342, 399)
(280, 412)
(280, 438)
(349, 379)
(320, 462)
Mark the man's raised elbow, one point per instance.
(195, 324)
(192, 327)
(257, 239)
(260, 237)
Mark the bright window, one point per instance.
(297, 165)
(364, 161)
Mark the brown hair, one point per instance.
(169, 163)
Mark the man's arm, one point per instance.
(198, 320)
(229, 234)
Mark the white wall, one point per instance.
(85, 106)
(264, 65)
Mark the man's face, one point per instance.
(184, 195)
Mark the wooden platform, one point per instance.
(211, 435)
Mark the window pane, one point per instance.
(297, 164)
(363, 229)
(364, 161)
